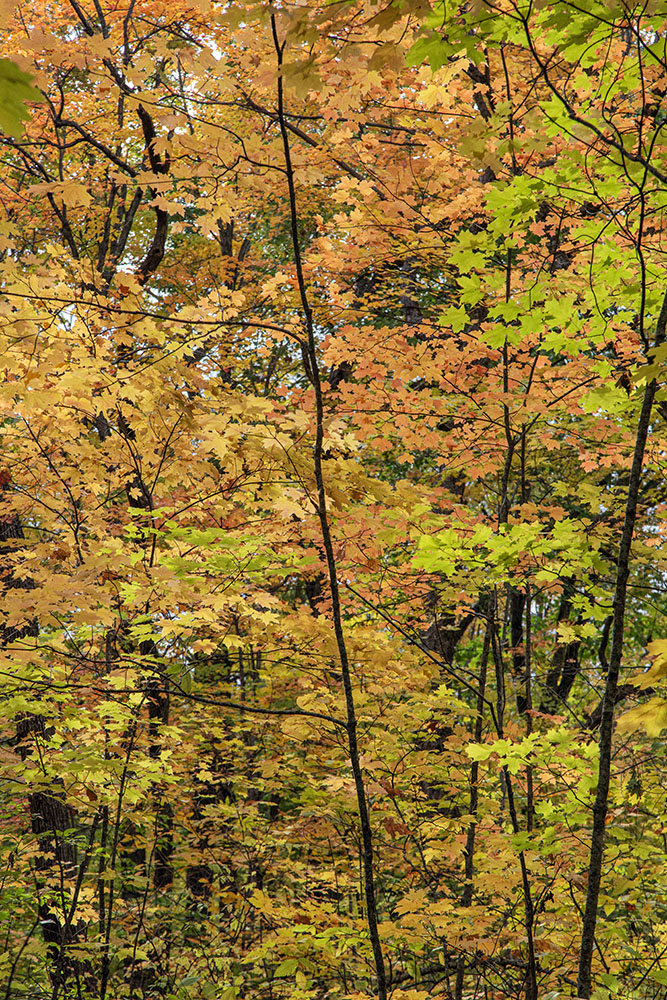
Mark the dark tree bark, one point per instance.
(50, 815)
(612, 668)
(564, 668)
(311, 364)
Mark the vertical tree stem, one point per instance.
(611, 683)
(469, 863)
(530, 792)
(609, 698)
(313, 372)
(528, 907)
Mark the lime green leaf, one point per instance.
(15, 89)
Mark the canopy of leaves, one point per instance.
(325, 331)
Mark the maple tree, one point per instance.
(332, 512)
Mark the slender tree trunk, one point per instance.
(158, 714)
(469, 863)
(311, 363)
(528, 906)
(612, 668)
(528, 668)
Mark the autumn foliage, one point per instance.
(332, 510)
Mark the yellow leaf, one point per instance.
(651, 716)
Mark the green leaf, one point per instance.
(287, 968)
(610, 981)
(15, 89)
